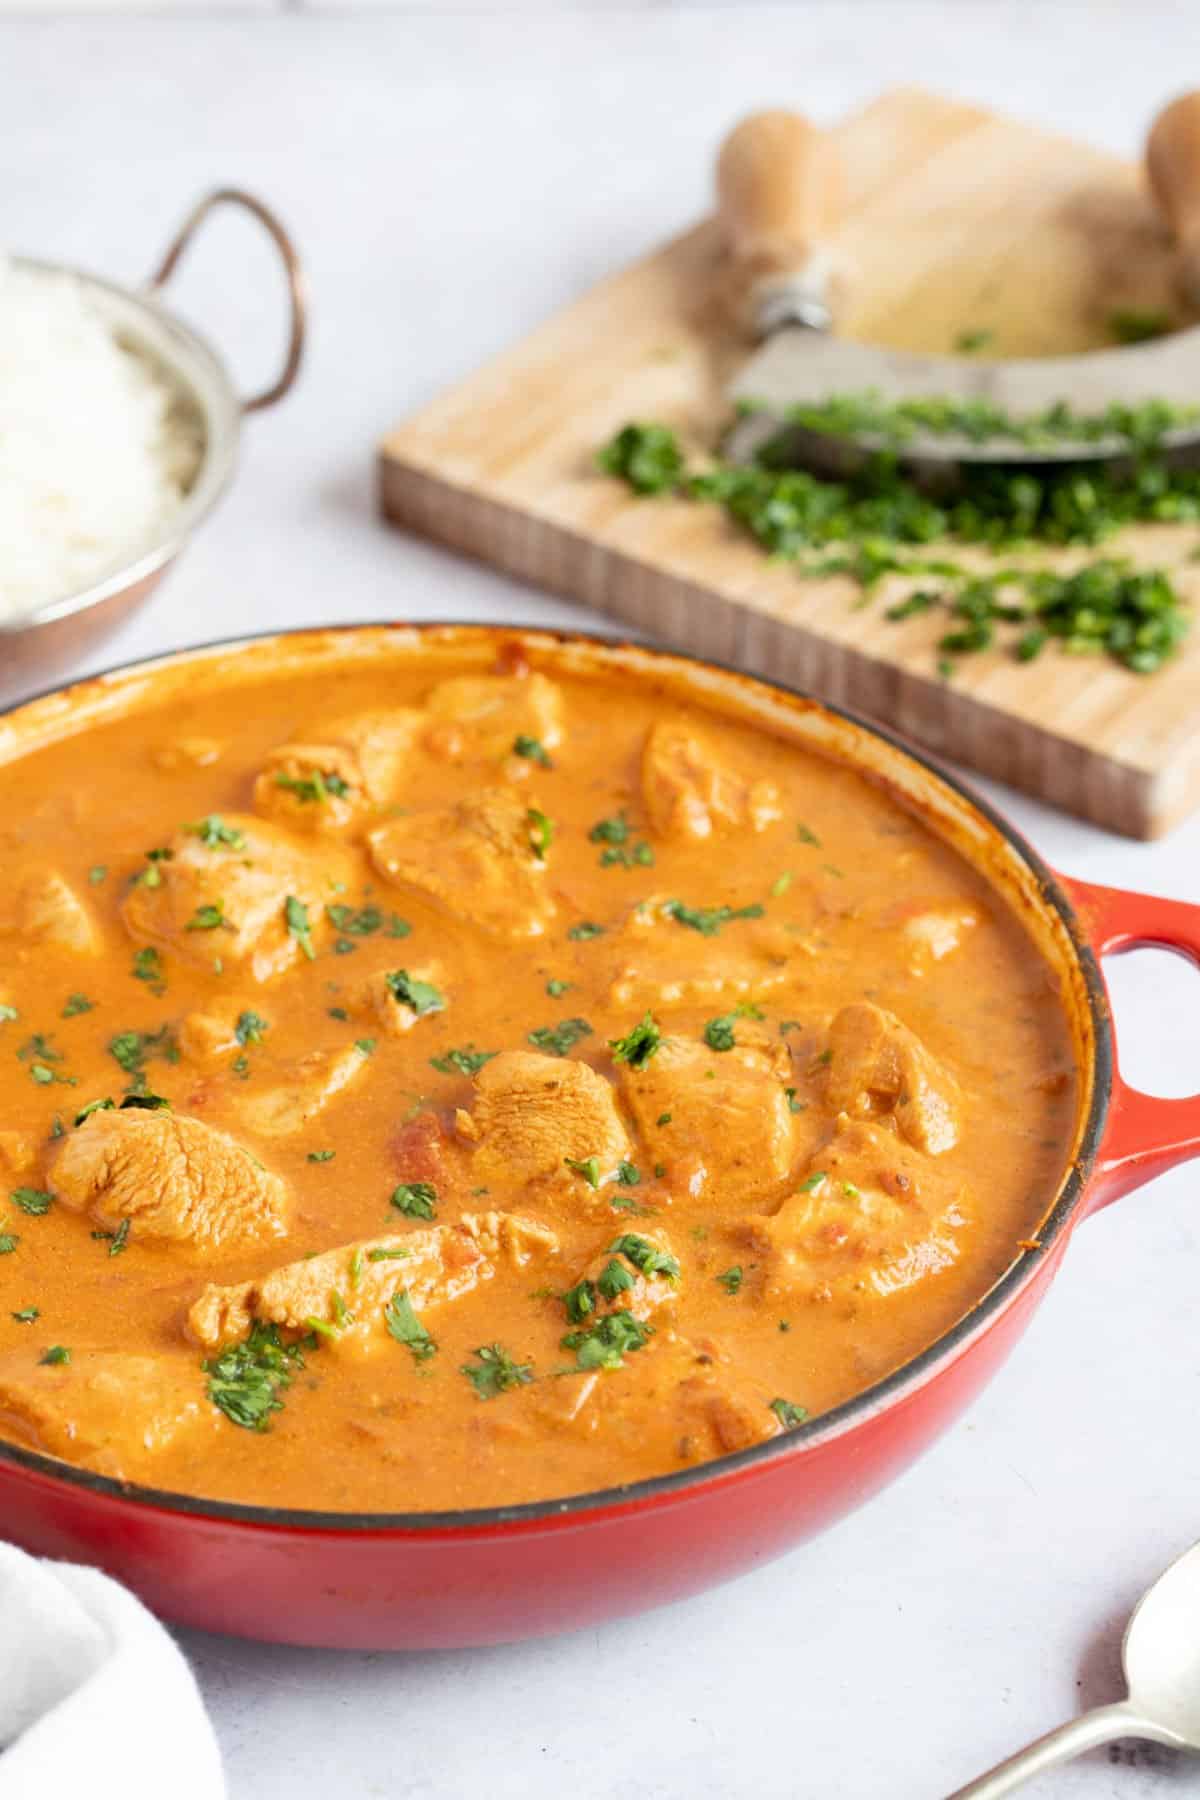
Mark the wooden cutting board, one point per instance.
(957, 220)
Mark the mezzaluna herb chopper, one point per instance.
(825, 402)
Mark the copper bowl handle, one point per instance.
(297, 284)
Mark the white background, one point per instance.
(453, 173)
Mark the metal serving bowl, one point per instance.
(38, 644)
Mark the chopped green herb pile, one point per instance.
(868, 415)
(1133, 615)
(495, 1372)
(731, 1280)
(879, 522)
(246, 1379)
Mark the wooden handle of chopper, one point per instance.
(779, 190)
(1173, 168)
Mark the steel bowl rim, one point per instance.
(839, 1421)
(213, 474)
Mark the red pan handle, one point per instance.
(1145, 1135)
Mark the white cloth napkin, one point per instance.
(95, 1698)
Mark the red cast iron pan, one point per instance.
(413, 1580)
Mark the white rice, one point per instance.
(93, 462)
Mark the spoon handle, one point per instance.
(1098, 1727)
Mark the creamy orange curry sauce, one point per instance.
(427, 1089)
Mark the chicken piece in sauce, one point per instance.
(171, 1178)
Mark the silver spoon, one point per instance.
(1161, 1654)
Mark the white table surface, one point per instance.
(451, 178)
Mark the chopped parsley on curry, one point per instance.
(466, 1082)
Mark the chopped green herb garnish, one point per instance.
(628, 1174)
(586, 1166)
(151, 875)
(533, 749)
(419, 996)
(130, 1050)
(788, 1414)
(145, 1103)
(467, 1061)
(8, 1242)
(605, 1344)
(627, 856)
(209, 918)
(582, 933)
(627, 1203)
(541, 832)
(296, 915)
(556, 1040)
(97, 873)
(365, 1046)
(76, 1004)
(120, 1238)
(708, 920)
(554, 987)
(415, 1199)
(879, 521)
(85, 1112)
(27, 1315)
(731, 1280)
(494, 1371)
(639, 1045)
(648, 457)
(250, 1027)
(610, 831)
(580, 1301)
(338, 1012)
(241, 1066)
(813, 1182)
(794, 1105)
(407, 1328)
(645, 1256)
(968, 342)
(383, 1254)
(359, 921)
(614, 1279)
(781, 884)
(215, 834)
(719, 1033)
(313, 789)
(246, 1379)
(663, 1119)
(57, 1353)
(148, 967)
(808, 837)
(34, 1201)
